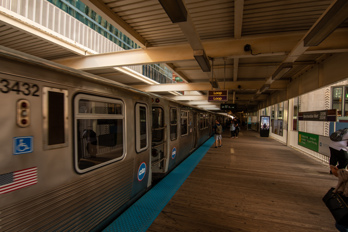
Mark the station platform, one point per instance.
(249, 184)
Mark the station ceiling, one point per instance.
(252, 48)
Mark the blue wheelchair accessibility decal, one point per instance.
(22, 145)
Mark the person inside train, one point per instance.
(218, 132)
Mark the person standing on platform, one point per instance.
(236, 125)
(339, 160)
(218, 132)
(233, 130)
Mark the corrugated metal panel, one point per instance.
(261, 17)
(212, 19)
(79, 206)
(18, 40)
(149, 19)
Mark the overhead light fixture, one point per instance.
(214, 83)
(281, 70)
(202, 60)
(336, 15)
(175, 10)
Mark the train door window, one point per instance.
(201, 122)
(173, 123)
(157, 125)
(184, 122)
(99, 131)
(141, 127)
(55, 118)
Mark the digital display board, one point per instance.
(228, 106)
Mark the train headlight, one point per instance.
(23, 113)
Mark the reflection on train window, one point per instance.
(173, 123)
(98, 107)
(141, 127)
(184, 122)
(157, 125)
(99, 131)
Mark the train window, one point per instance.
(55, 112)
(141, 127)
(184, 122)
(157, 125)
(201, 121)
(173, 123)
(99, 131)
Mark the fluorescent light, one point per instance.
(136, 75)
(175, 93)
(175, 10)
(202, 60)
(336, 15)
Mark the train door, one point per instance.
(158, 150)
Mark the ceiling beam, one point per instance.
(267, 46)
(241, 97)
(176, 11)
(205, 86)
(313, 37)
(335, 15)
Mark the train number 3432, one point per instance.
(27, 89)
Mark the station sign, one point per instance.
(322, 115)
(218, 96)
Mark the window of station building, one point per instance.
(141, 127)
(55, 111)
(337, 95)
(346, 101)
(273, 113)
(99, 131)
(295, 114)
(173, 123)
(184, 123)
(280, 110)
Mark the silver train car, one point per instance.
(77, 151)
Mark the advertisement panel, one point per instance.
(264, 126)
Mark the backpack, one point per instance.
(338, 135)
(218, 129)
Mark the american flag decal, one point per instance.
(16, 180)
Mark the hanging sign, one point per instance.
(218, 96)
